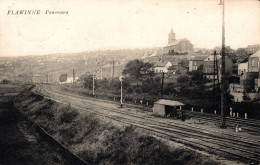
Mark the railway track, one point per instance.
(251, 127)
(212, 141)
(167, 121)
(248, 125)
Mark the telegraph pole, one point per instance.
(101, 72)
(214, 79)
(162, 85)
(223, 69)
(113, 70)
(73, 78)
(93, 89)
(121, 100)
(214, 75)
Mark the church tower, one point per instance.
(171, 37)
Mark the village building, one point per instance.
(164, 64)
(179, 69)
(254, 62)
(71, 80)
(208, 66)
(249, 79)
(249, 72)
(179, 45)
(196, 62)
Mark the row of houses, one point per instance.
(206, 63)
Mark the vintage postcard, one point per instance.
(129, 82)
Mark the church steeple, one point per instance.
(171, 37)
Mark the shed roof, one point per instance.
(169, 102)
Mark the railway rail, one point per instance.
(241, 147)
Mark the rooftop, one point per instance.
(169, 102)
(199, 57)
(211, 57)
(256, 54)
(244, 60)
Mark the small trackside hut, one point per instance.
(166, 108)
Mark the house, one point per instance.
(196, 62)
(179, 69)
(164, 107)
(254, 62)
(249, 79)
(208, 66)
(179, 45)
(162, 66)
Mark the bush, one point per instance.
(68, 116)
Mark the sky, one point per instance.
(120, 24)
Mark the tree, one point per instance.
(245, 97)
(136, 69)
(63, 78)
(87, 80)
(197, 77)
(241, 53)
(183, 80)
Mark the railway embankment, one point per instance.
(20, 142)
(99, 141)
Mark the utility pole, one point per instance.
(214, 79)
(93, 89)
(101, 72)
(223, 69)
(214, 75)
(73, 78)
(113, 70)
(162, 85)
(121, 100)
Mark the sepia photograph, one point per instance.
(129, 82)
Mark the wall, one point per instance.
(247, 81)
(257, 84)
(208, 66)
(253, 66)
(198, 65)
(159, 109)
(160, 69)
(242, 67)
